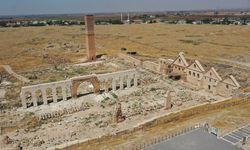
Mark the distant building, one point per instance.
(197, 22)
(182, 22)
(34, 23)
(138, 21)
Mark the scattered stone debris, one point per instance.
(7, 140)
(56, 114)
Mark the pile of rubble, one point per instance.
(64, 111)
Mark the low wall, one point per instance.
(151, 66)
(130, 59)
(166, 118)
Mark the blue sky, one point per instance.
(21, 7)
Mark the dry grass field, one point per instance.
(25, 47)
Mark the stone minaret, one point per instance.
(90, 37)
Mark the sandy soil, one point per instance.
(25, 47)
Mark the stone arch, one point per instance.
(68, 91)
(77, 81)
(59, 93)
(39, 96)
(49, 94)
(133, 79)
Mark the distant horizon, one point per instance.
(57, 7)
(160, 11)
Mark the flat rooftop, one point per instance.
(195, 140)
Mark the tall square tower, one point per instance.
(90, 37)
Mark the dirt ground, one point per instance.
(29, 52)
(231, 117)
(138, 103)
(29, 47)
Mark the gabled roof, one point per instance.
(215, 73)
(199, 65)
(235, 82)
(181, 54)
(183, 59)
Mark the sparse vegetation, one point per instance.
(23, 53)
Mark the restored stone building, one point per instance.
(227, 86)
(195, 73)
(179, 64)
(210, 80)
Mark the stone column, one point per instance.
(68, 91)
(54, 95)
(44, 95)
(128, 82)
(136, 80)
(34, 99)
(168, 104)
(64, 94)
(121, 83)
(106, 87)
(23, 98)
(114, 84)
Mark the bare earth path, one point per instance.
(11, 72)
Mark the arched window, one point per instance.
(210, 80)
(179, 60)
(194, 74)
(198, 75)
(194, 65)
(227, 86)
(190, 73)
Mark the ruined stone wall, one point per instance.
(130, 59)
(178, 69)
(119, 80)
(45, 91)
(165, 66)
(114, 80)
(174, 116)
(151, 66)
